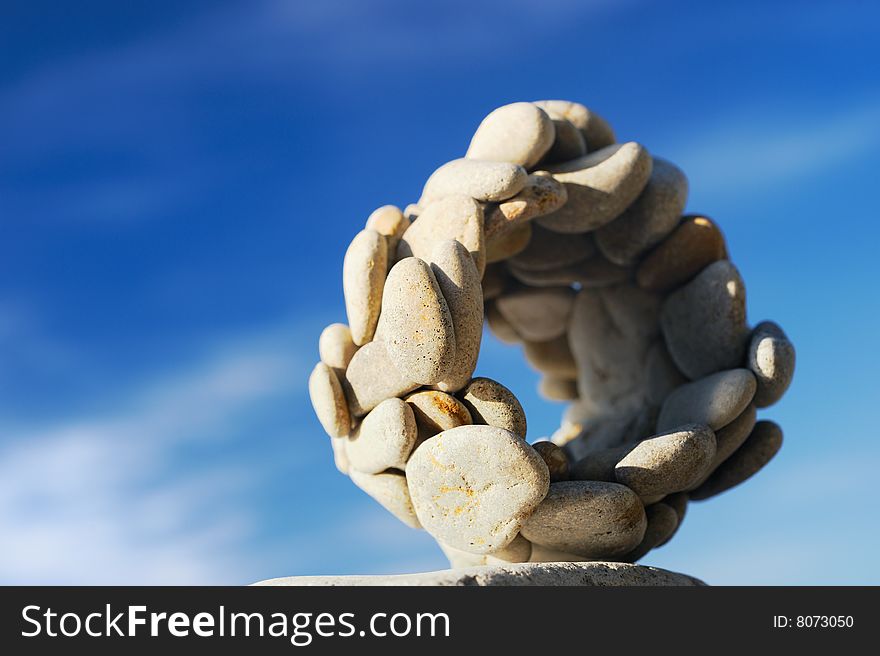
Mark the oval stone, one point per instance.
(568, 144)
(495, 281)
(764, 442)
(508, 244)
(384, 439)
(436, 412)
(553, 357)
(692, 246)
(481, 180)
(550, 250)
(328, 401)
(336, 347)
(389, 222)
(653, 215)
(555, 459)
(771, 358)
(541, 195)
(391, 491)
(415, 324)
(499, 326)
(714, 401)
(596, 130)
(363, 278)
(363, 388)
(459, 282)
(667, 463)
(492, 404)
(520, 133)
(600, 187)
(537, 314)
(704, 322)
(592, 519)
(662, 523)
(474, 486)
(454, 217)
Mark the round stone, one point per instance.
(363, 388)
(389, 222)
(553, 357)
(592, 519)
(714, 401)
(481, 180)
(437, 411)
(520, 133)
(541, 195)
(509, 244)
(328, 401)
(384, 439)
(363, 277)
(474, 486)
(336, 347)
(415, 325)
(558, 389)
(771, 358)
(704, 322)
(568, 144)
(537, 314)
(550, 250)
(391, 491)
(596, 130)
(499, 326)
(662, 522)
(554, 458)
(492, 404)
(692, 246)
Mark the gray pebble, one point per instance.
(384, 439)
(550, 250)
(363, 278)
(328, 401)
(520, 133)
(661, 374)
(662, 523)
(714, 401)
(554, 458)
(481, 180)
(363, 388)
(771, 358)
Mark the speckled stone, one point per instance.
(596, 130)
(704, 322)
(437, 411)
(499, 326)
(415, 325)
(363, 278)
(714, 401)
(522, 574)
(692, 246)
(363, 388)
(384, 439)
(459, 282)
(336, 347)
(481, 180)
(391, 223)
(538, 315)
(554, 458)
(553, 357)
(550, 250)
(509, 244)
(764, 442)
(600, 187)
(667, 463)
(771, 357)
(519, 133)
(541, 195)
(653, 215)
(492, 404)
(328, 401)
(662, 522)
(454, 217)
(474, 486)
(391, 491)
(592, 519)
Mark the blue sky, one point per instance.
(178, 183)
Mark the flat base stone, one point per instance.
(587, 573)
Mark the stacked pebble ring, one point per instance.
(573, 246)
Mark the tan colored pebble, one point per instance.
(474, 486)
(552, 357)
(415, 323)
(764, 442)
(555, 459)
(542, 554)
(558, 389)
(437, 411)
(340, 458)
(454, 217)
(704, 322)
(363, 278)
(592, 519)
(541, 195)
(520, 133)
(336, 347)
(518, 551)
(509, 244)
(714, 401)
(491, 403)
(653, 215)
(667, 463)
(459, 282)
(550, 250)
(537, 314)
(364, 388)
(384, 439)
(389, 222)
(592, 273)
(596, 130)
(391, 491)
(329, 401)
(662, 522)
(458, 558)
(481, 180)
(568, 144)
(600, 187)
(499, 326)
(771, 357)
(692, 246)
(495, 281)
